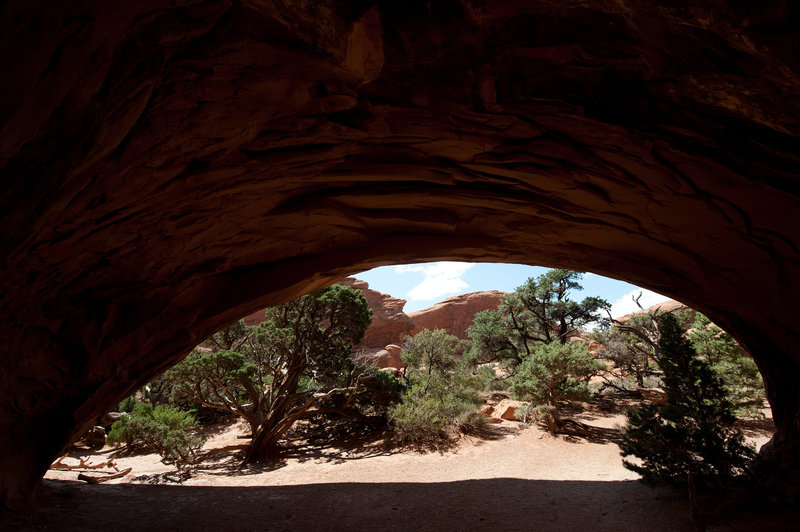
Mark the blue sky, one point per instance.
(423, 285)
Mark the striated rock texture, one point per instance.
(455, 314)
(168, 167)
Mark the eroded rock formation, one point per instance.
(389, 323)
(455, 314)
(168, 167)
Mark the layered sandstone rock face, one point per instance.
(168, 167)
(455, 314)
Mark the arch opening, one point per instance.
(430, 485)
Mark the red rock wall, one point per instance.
(455, 314)
(389, 323)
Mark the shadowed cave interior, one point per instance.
(167, 168)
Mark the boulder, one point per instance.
(665, 306)
(507, 409)
(393, 359)
(109, 418)
(386, 358)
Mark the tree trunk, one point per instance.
(265, 436)
(263, 445)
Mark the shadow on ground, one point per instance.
(490, 504)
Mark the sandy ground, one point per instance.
(512, 477)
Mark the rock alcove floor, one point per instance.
(510, 477)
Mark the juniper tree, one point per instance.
(555, 373)
(538, 312)
(632, 346)
(738, 371)
(441, 395)
(283, 370)
(693, 433)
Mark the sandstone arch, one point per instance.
(168, 167)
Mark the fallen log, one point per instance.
(98, 480)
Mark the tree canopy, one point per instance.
(529, 336)
(538, 312)
(284, 369)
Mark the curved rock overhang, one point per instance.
(168, 167)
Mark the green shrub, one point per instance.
(441, 397)
(381, 390)
(435, 413)
(127, 404)
(162, 429)
(528, 413)
(487, 380)
(554, 373)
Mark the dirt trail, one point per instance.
(511, 478)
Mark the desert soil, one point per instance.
(510, 477)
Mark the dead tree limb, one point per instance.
(98, 480)
(82, 465)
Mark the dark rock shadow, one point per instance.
(489, 504)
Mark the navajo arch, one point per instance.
(168, 167)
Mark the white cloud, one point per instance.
(625, 304)
(405, 268)
(441, 279)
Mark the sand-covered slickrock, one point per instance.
(455, 314)
(167, 167)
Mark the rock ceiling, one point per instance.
(168, 167)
